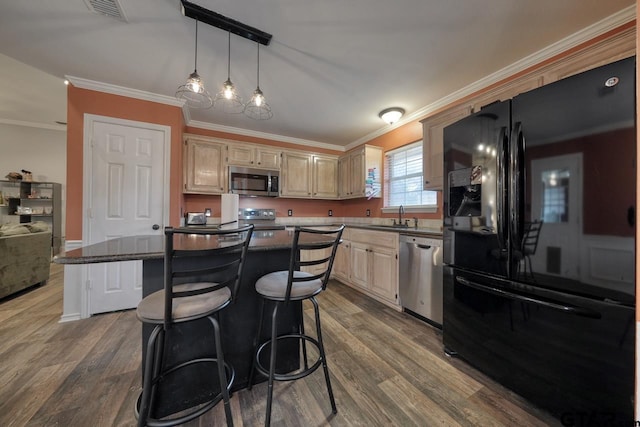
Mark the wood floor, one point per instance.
(387, 369)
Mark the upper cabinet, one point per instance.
(309, 175)
(325, 177)
(204, 166)
(253, 156)
(295, 175)
(360, 173)
(433, 144)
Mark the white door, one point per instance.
(556, 198)
(127, 195)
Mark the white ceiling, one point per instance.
(332, 65)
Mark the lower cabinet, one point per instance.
(369, 263)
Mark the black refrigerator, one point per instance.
(539, 235)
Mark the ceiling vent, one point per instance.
(110, 8)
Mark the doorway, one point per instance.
(125, 193)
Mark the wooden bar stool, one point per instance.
(201, 277)
(313, 251)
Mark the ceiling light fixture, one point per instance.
(257, 108)
(227, 99)
(391, 115)
(214, 19)
(193, 91)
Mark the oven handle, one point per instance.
(571, 309)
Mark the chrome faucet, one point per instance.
(400, 212)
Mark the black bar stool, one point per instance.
(201, 277)
(314, 249)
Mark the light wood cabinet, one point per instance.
(204, 166)
(507, 91)
(369, 263)
(341, 263)
(360, 173)
(253, 156)
(296, 175)
(433, 144)
(309, 175)
(325, 177)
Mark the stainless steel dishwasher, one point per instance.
(421, 277)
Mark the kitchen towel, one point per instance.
(229, 210)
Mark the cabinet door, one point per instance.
(384, 273)
(204, 170)
(344, 177)
(360, 264)
(325, 177)
(266, 158)
(241, 155)
(433, 144)
(357, 174)
(342, 261)
(296, 171)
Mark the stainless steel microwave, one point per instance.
(254, 182)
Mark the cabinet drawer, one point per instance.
(377, 238)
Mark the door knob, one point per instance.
(155, 227)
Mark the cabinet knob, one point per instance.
(155, 226)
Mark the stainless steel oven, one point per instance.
(254, 182)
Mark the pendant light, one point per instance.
(227, 99)
(257, 108)
(193, 91)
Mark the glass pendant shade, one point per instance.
(257, 108)
(193, 92)
(227, 99)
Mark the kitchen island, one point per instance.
(269, 251)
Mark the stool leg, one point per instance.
(272, 363)
(304, 342)
(256, 340)
(222, 376)
(323, 355)
(149, 372)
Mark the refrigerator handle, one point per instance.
(517, 187)
(566, 308)
(501, 190)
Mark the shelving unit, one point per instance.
(24, 201)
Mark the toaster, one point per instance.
(196, 218)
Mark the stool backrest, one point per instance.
(211, 256)
(315, 249)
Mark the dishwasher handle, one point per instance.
(423, 246)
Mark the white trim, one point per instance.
(256, 134)
(89, 120)
(611, 22)
(74, 278)
(124, 91)
(33, 124)
(622, 17)
(411, 209)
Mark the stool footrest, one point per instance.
(200, 409)
(292, 376)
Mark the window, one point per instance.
(403, 179)
(555, 195)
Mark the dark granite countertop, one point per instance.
(152, 247)
(412, 231)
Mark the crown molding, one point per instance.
(612, 22)
(62, 128)
(124, 91)
(263, 135)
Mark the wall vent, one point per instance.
(110, 8)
